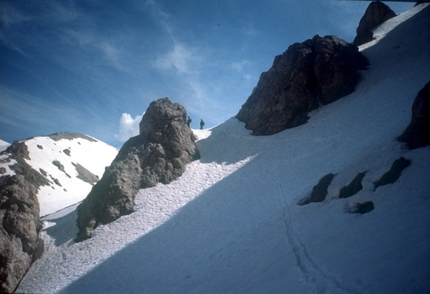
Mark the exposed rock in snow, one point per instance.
(19, 150)
(319, 191)
(158, 154)
(317, 70)
(394, 173)
(417, 134)
(376, 13)
(352, 188)
(70, 136)
(361, 208)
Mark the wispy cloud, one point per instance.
(9, 15)
(21, 109)
(180, 58)
(128, 127)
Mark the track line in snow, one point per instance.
(313, 273)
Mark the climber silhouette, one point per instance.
(189, 120)
(202, 124)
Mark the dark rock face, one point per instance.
(376, 13)
(19, 150)
(353, 188)
(417, 134)
(319, 191)
(19, 215)
(394, 173)
(317, 70)
(158, 154)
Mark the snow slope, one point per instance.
(48, 154)
(3, 145)
(231, 223)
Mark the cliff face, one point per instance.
(319, 70)
(159, 154)
(19, 217)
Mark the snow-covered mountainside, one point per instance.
(232, 222)
(71, 163)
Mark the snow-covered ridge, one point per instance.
(71, 163)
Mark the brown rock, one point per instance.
(317, 70)
(376, 13)
(19, 218)
(158, 154)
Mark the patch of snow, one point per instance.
(6, 162)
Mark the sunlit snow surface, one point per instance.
(65, 187)
(3, 145)
(231, 223)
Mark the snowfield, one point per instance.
(231, 223)
(3, 145)
(59, 160)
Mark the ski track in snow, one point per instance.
(313, 273)
(271, 244)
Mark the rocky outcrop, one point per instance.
(376, 13)
(158, 154)
(394, 173)
(319, 191)
(417, 134)
(352, 188)
(19, 215)
(319, 70)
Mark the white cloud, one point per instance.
(239, 66)
(179, 58)
(128, 127)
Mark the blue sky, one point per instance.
(94, 66)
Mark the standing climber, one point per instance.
(189, 120)
(202, 124)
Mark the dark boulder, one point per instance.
(417, 134)
(352, 188)
(159, 154)
(376, 13)
(317, 70)
(394, 173)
